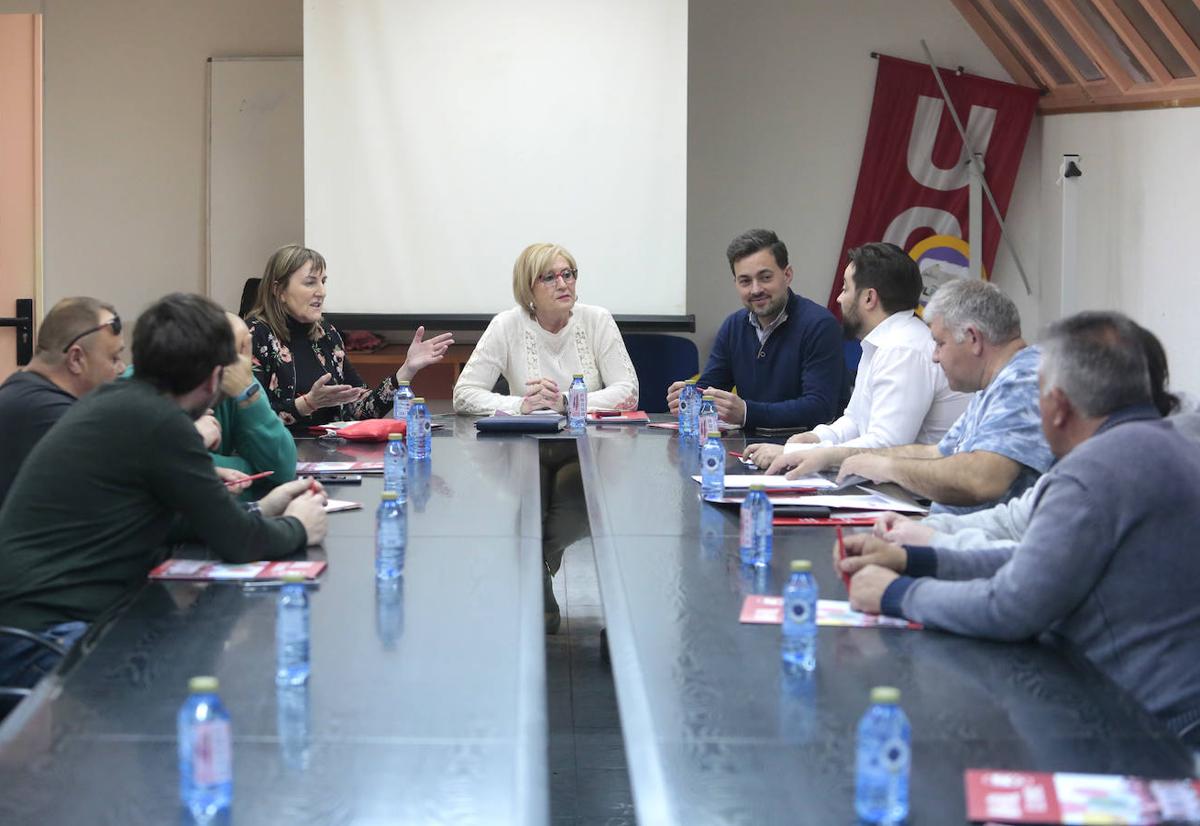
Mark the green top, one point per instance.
(885, 695)
(801, 565)
(253, 439)
(91, 509)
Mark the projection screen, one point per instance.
(441, 138)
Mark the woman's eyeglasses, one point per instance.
(114, 322)
(567, 276)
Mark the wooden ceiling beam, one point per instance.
(1176, 34)
(1090, 41)
(1140, 48)
(1014, 38)
(1022, 8)
(996, 44)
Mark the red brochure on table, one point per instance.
(1042, 797)
(203, 570)
(759, 609)
(618, 417)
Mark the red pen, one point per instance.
(735, 454)
(842, 555)
(262, 475)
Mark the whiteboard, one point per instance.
(255, 168)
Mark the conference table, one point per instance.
(427, 700)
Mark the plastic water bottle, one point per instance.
(291, 631)
(205, 751)
(577, 403)
(688, 409)
(757, 531)
(391, 536)
(419, 429)
(708, 417)
(712, 467)
(799, 651)
(395, 466)
(402, 401)
(884, 759)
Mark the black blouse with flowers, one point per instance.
(289, 369)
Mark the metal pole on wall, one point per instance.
(1069, 174)
(971, 156)
(975, 218)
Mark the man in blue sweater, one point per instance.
(1107, 562)
(783, 353)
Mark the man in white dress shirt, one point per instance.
(901, 396)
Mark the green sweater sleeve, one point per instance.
(180, 470)
(253, 439)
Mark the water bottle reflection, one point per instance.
(389, 611)
(292, 724)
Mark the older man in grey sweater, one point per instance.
(1107, 562)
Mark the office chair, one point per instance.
(249, 293)
(10, 696)
(659, 360)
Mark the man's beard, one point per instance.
(851, 325)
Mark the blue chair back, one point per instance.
(659, 360)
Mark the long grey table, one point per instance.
(426, 702)
(716, 733)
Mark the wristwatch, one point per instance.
(247, 394)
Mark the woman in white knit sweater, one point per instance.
(537, 346)
(540, 343)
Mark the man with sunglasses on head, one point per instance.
(122, 476)
(79, 348)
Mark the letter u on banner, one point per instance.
(913, 180)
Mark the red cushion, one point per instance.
(368, 430)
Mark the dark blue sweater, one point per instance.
(795, 379)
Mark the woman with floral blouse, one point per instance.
(300, 358)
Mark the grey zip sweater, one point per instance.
(1108, 564)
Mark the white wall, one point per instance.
(1139, 205)
(779, 96)
(125, 122)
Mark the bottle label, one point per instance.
(711, 463)
(747, 526)
(211, 753)
(893, 756)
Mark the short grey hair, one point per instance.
(968, 302)
(1097, 360)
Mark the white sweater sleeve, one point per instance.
(473, 391)
(616, 370)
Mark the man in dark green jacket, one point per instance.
(92, 507)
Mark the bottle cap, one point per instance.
(708, 398)
(291, 577)
(404, 383)
(388, 496)
(691, 382)
(419, 400)
(202, 685)
(577, 375)
(714, 435)
(801, 565)
(395, 437)
(758, 486)
(885, 695)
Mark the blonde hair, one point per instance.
(268, 306)
(534, 260)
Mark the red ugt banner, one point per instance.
(913, 181)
